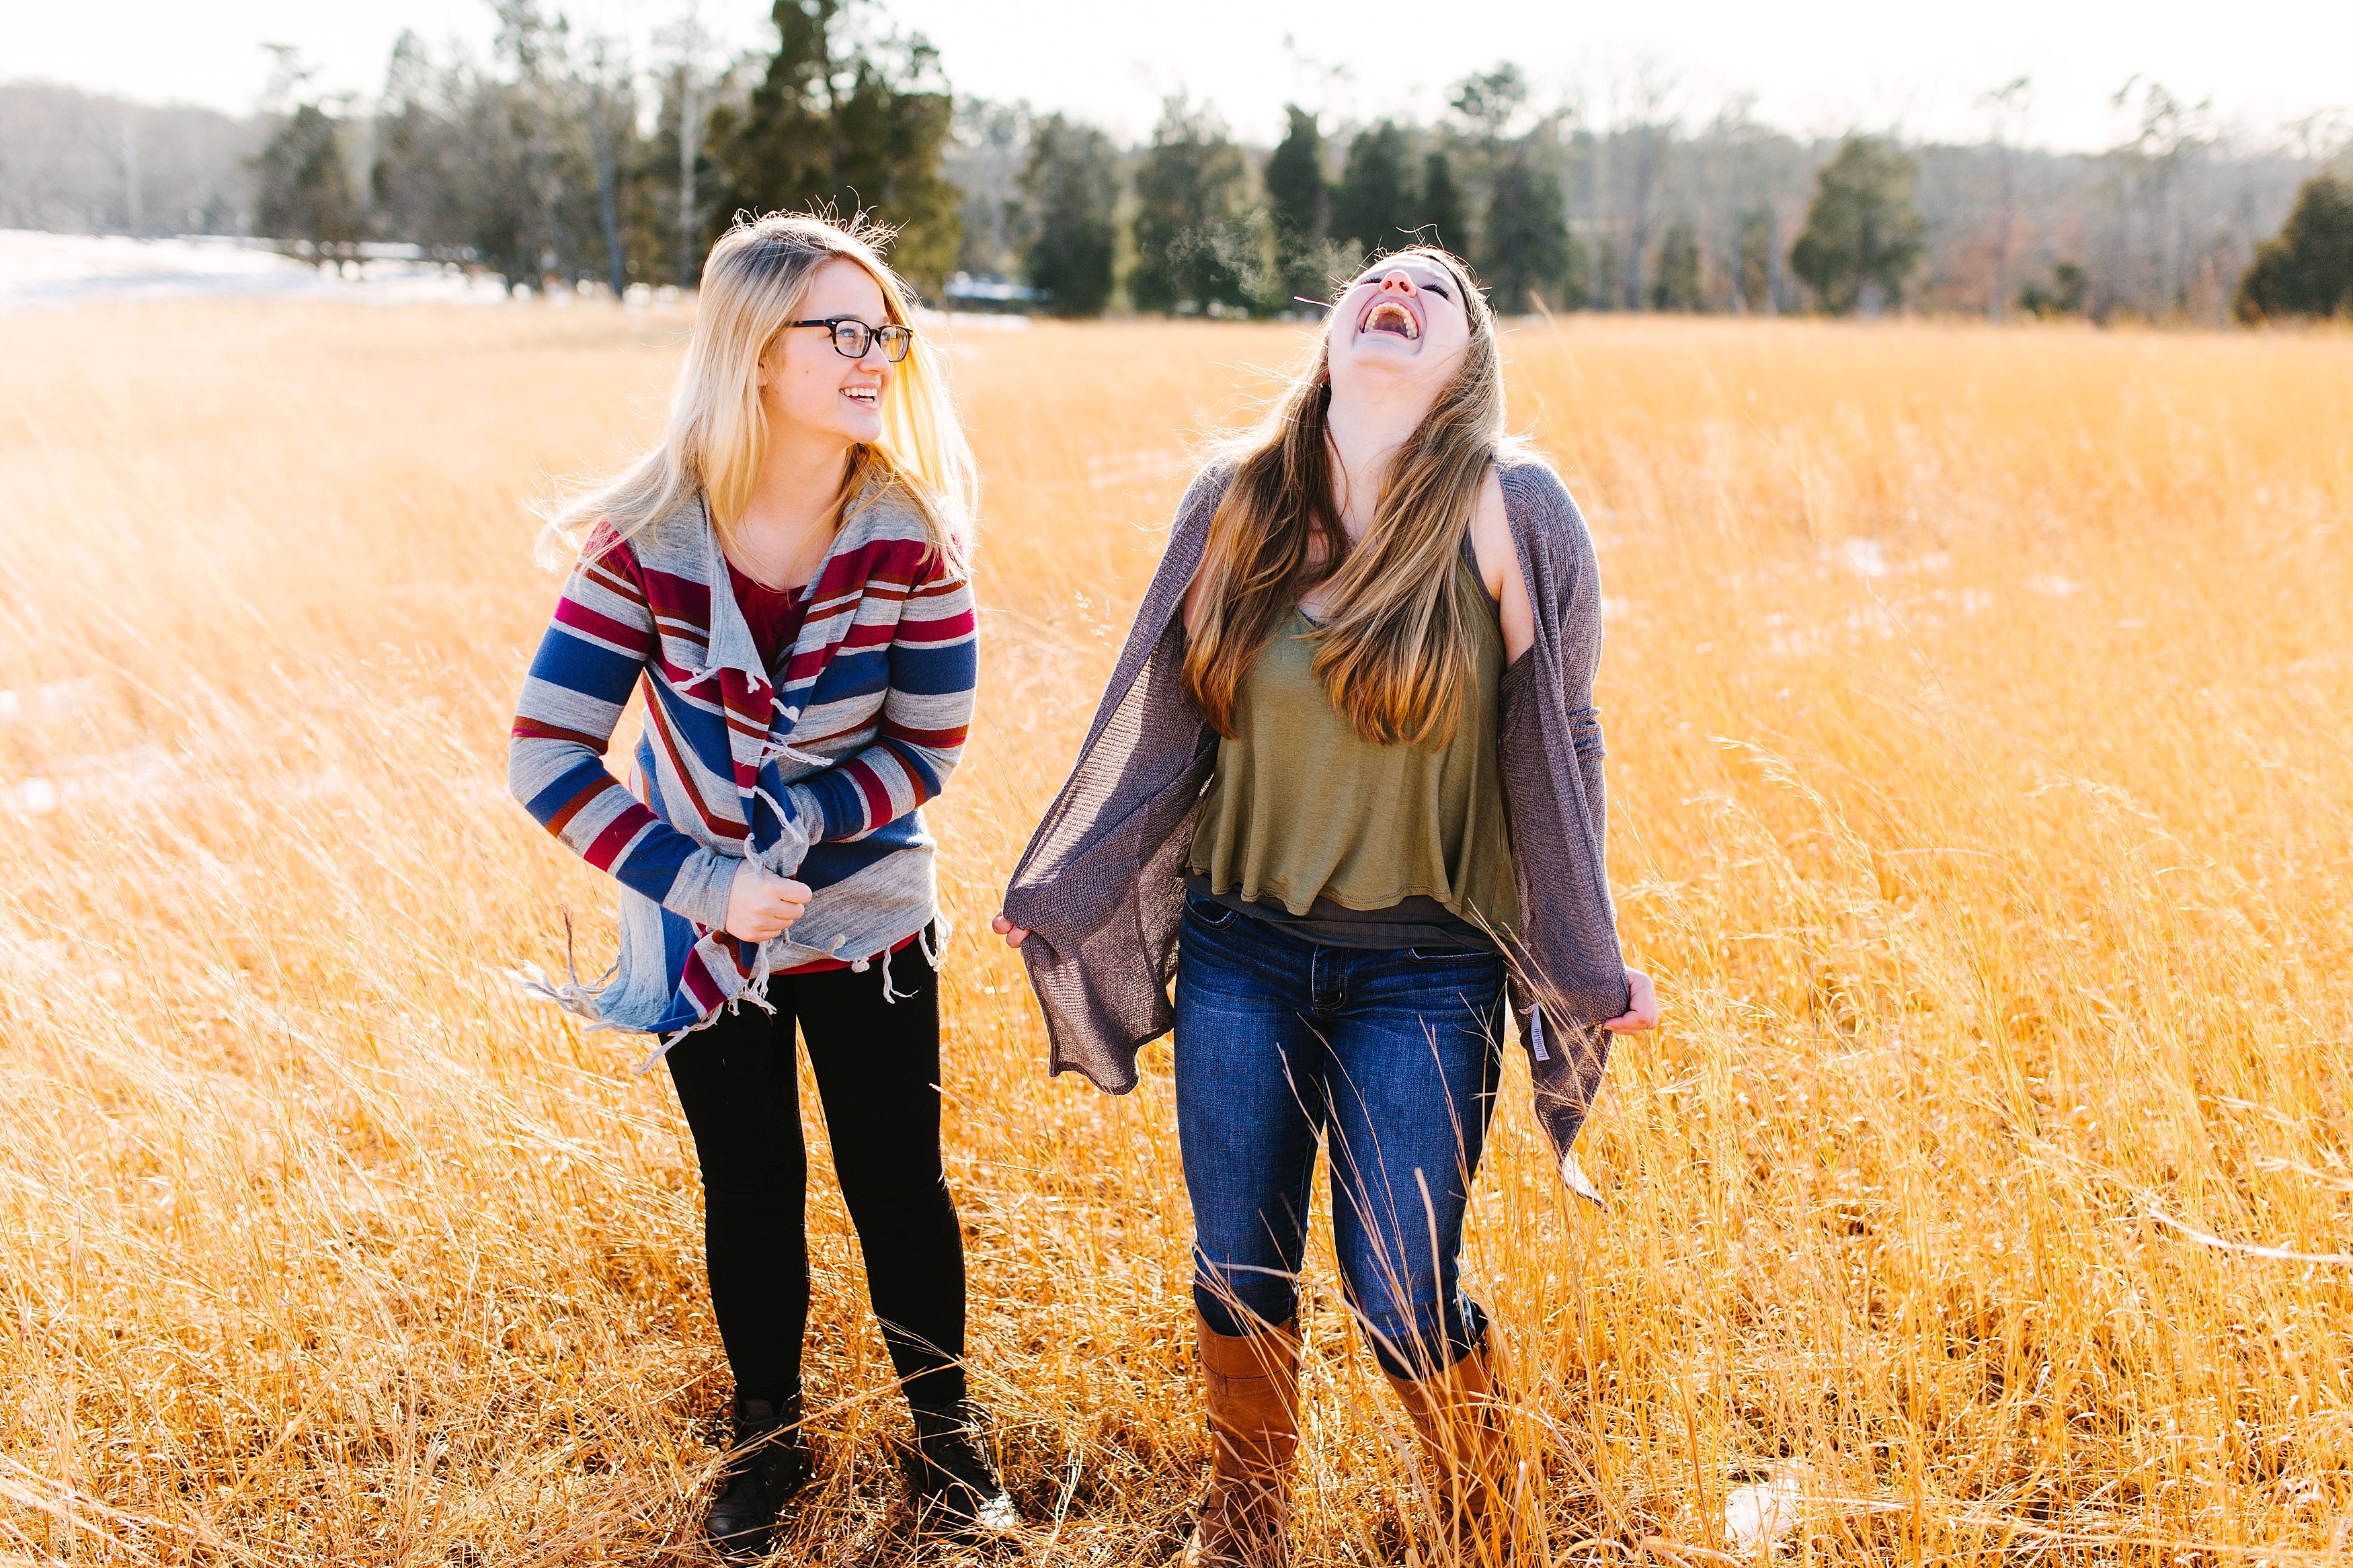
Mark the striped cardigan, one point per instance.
(821, 777)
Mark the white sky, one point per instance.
(1825, 67)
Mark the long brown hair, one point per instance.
(1394, 649)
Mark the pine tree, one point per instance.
(851, 118)
(2306, 268)
(1443, 220)
(1070, 197)
(1864, 235)
(1193, 240)
(1524, 254)
(1375, 208)
(1307, 260)
(305, 190)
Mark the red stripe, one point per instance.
(532, 730)
(573, 806)
(572, 612)
(618, 835)
(930, 740)
(870, 784)
(953, 630)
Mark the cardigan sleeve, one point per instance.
(595, 650)
(933, 668)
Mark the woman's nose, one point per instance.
(1400, 281)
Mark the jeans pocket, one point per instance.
(1209, 913)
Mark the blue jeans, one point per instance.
(1395, 1055)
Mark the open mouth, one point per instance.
(1389, 316)
(864, 397)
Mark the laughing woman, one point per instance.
(1346, 783)
(785, 575)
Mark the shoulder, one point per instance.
(1532, 492)
(678, 545)
(1544, 517)
(1208, 489)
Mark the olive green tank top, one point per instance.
(1303, 809)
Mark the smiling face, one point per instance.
(806, 383)
(1400, 324)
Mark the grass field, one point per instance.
(1976, 701)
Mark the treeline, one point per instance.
(562, 160)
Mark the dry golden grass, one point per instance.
(1976, 705)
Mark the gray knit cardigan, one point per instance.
(1101, 887)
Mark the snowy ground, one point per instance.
(39, 270)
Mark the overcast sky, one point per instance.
(1823, 66)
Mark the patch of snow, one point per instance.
(41, 270)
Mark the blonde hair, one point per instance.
(1396, 647)
(752, 284)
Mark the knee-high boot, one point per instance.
(1457, 1416)
(1253, 1398)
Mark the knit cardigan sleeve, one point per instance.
(933, 668)
(595, 651)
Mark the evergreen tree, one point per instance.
(1863, 234)
(1298, 202)
(1070, 197)
(1296, 197)
(847, 117)
(1676, 286)
(2068, 294)
(1376, 207)
(2306, 268)
(1443, 220)
(1193, 244)
(305, 191)
(1524, 254)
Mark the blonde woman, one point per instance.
(785, 577)
(1347, 783)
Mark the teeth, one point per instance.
(1389, 315)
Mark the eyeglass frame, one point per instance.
(872, 334)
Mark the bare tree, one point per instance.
(612, 124)
(2007, 107)
(690, 44)
(1649, 132)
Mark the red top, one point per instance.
(774, 616)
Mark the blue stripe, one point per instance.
(935, 671)
(568, 784)
(577, 665)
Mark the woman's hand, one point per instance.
(760, 906)
(1644, 1012)
(1005, 928)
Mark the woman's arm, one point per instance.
(934, 666)
(595, 649)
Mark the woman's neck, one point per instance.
(783, 532)
(1364, 429)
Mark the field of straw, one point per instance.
(1981, 799)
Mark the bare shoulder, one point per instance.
(1491, 535)
(1499, 564)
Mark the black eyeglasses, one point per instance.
(851, 336)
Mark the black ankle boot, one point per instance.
(769, 1461)
(956, 1488)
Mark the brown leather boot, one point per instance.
(1459, 1421)
(1254, 1388)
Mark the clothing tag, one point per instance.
(1535, 1033)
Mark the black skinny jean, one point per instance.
(878, 1072)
